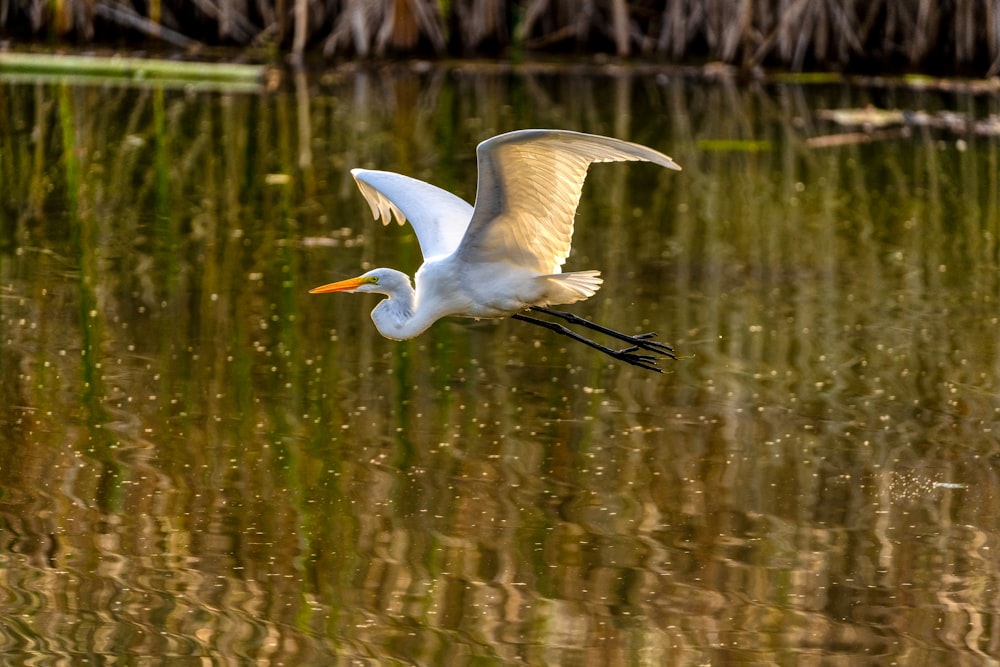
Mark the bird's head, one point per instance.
(381, 281)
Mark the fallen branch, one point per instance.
(126, 16)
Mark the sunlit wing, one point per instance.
(439, 218)
(530, 183)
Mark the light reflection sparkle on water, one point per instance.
(198, 459)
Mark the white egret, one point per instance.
(504, 255)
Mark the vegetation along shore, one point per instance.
(961, 37)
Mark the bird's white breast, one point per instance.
(491, 289)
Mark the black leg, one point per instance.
(628, 355)
(641, 341)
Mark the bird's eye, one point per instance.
(374, 280)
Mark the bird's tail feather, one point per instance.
(573, 286)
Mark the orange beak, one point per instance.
(342, 286)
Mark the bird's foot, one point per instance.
(630, 356)
(641, 352)
(643, 342)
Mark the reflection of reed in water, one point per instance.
(251, 477)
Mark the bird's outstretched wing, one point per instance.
(439, 218)
(530, 183)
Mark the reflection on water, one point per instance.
(200, 459)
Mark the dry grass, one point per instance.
(963, 35)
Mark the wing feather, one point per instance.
(439, 218)
(530, 182)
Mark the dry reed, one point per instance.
(962, 36)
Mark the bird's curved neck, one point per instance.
(396, 317)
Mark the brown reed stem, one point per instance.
(797, 34)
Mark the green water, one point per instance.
(201, 461)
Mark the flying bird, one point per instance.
(503, 256)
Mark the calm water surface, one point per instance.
(202, 463)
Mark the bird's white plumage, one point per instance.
(504, 254)
(530, 183)
(439, 218)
